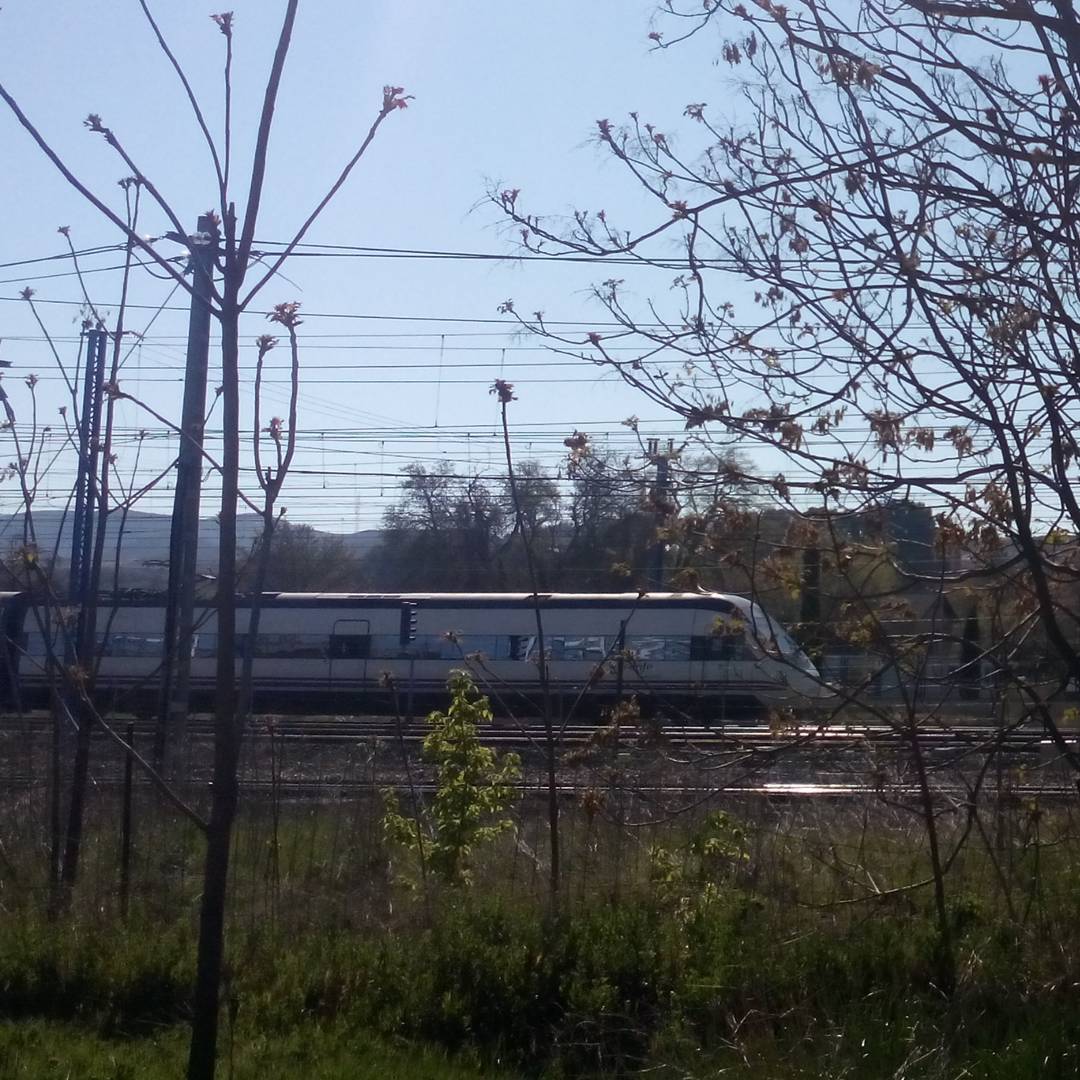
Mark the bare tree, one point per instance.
(240, 278)
(282, 434)
(899, 196)
(70, 620)
(504, 392)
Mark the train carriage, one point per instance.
(343, 651)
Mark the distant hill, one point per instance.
(145, 550)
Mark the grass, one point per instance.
(52, 1051)
(714, 984)
(747, 944)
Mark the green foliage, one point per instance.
(473, 788)
(708, 858)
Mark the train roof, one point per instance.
(721, 601)
(627, 599)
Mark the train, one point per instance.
(352, 652)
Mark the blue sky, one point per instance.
(503, 92)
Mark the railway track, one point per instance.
(512, 734)
(316, 757)
(324, 789)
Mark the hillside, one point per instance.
(144, 552)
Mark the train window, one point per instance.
(489, 646)
(293, 646)
(350, 646)
(439, 647)
(577, 648)
(727, 647)
(677, 648)
(206, 645)
(785, 642)
(774, 639)
(647, 648)
(722, 647)
(653, 648)
(283, 646)
(423, 647)
(520, 646)
(131, 645)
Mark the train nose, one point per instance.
(811, 686)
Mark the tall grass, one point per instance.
(737, 935)
(707, 962)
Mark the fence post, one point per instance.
(125, 826)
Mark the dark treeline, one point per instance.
(450, 532)
(612, 525)
(601, 529)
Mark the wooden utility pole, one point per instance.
(184, 535)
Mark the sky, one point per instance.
(398, 353)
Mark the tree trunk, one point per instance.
(211, 947)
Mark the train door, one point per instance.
(350, 649)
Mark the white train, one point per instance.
(336, 650)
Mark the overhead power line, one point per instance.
(63, 256)
(309, 250)
(260, 314)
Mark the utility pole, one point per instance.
(661, 503)
(184, 534)
(80, 640)
(82, 522)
